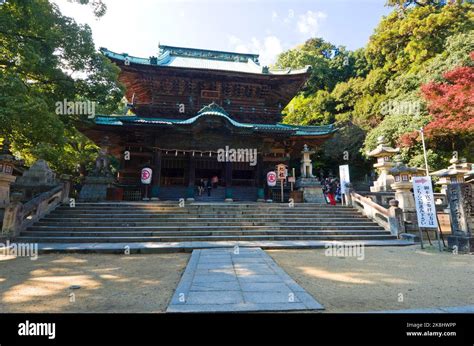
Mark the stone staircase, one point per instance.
(167, 222)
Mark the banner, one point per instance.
(282, 171)
(344, 177)
(425, 202)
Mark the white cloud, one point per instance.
(274, 16)
(268, 48)
(289, 18)
(309, 22)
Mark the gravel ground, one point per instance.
(388, 278)
(109, 283)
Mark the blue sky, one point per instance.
(266, 27)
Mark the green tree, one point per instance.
(46, 57)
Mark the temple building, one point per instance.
(187, 107)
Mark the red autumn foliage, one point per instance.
(408, 139)
(451, 103)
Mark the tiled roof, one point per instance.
(216, 111)
(190, 58)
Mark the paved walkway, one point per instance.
(226, 280)
(188, 246)
(464, 309)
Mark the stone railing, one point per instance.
(18, 216)
(390, 219)
(383, 198)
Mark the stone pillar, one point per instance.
(66, 181)
(156, 177)
(461, 206)
(406, 201)
(396, 222)
(7, 163)
(13, 217)
(228, 182)
(5, 181)
(191, 179)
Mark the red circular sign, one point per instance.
(271, 178)
(145, 175)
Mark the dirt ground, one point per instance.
(388, 278)
(109, 283)
(345, 284)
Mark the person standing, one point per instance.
(332, 192)
(201, 187)
(209, 187)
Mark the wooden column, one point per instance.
(191, 178)
(228, 182)
(261, 180)
(156, 177)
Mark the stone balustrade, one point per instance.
(18, 216)
(390, 218)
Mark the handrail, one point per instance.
(371, 203)
(390, 219)
(18, 216)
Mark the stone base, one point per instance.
(312, 190)
(95, 189)
(464, 244)
(5, 181)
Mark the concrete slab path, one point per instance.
(166, 247)
(237, 280)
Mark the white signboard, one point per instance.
(271, 178)
(344, 177)
(146, 175)
(282, 172)
(425, 202)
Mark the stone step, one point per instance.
(69, 239)
(180, 228)
(213, 207)
(161, 220)
(129, 223)
(212, 232)
(220, 212)
(140, 222)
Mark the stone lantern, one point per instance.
(307, 182)
(7, 163)
(306, 166)
(383, 153)
(402, 185)
(455, 173)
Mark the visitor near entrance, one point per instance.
(215, 181)
(209, 187)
